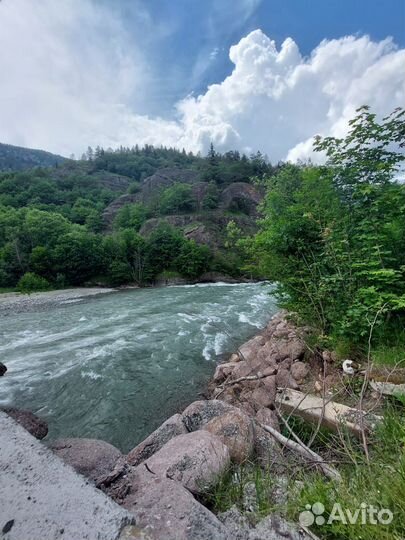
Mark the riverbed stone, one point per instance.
(262, 397)
(284, 379)
(171, 428)
(196, 460)
(222, 371)
(275, 527)
(29, 421)
(235, 429)
(164, 509)
(200, 412)
(92, 458)
(268, 417)
(299, 370)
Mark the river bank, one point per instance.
(15, 302)
(224, 459)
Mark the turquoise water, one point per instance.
(115, 366)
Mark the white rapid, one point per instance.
(115, 366)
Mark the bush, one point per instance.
(31, 282)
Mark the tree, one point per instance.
(79, 256)
(163, 246)
(131, 216)
(177, 198)
(333, 236)
(193, 260)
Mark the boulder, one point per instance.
(92, 458)
(242, 369)
(28, 420)
(196, 460)
(268, 417)
(171, 428)
(235, 429)
(236, 523)
(274, 527)
(222, 371)
(164, 509)
(261, 397)
(268, 451)
(299, 370)
(3, 369)
(200, 412)
(284, 379)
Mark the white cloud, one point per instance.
(72, 76)
(276, 101)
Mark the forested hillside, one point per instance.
(13, 158)
(127, 216)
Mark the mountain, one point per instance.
(16, 158)
(115, 215)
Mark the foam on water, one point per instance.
(115, 366)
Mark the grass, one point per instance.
(380, 483)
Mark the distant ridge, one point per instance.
(16, 158)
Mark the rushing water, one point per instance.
(115, 366)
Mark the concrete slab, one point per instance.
(42, 498)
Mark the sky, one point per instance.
(250, 75)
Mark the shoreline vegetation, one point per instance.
(247, 461)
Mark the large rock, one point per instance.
(222, 371)
(90, 457)
(274, 527)
(235, 429)
(196, 460)
(284, 379)
(171, 428)
(200, 412)
(299, 370)
(28, 420)
(164, 509)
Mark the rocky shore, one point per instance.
(40, 301)
(163, 480)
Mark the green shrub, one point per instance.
(31, 282)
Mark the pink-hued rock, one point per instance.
(92, 458)
(171, 428)
(242, 369)
(196, 460)
(284, 379)
(268, 417)
(235, 429)
(261, 397)
(299, 371)
(196, 415)
(164, 509)
(222, 371)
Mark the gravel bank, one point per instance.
(22, 303)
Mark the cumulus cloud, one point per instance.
(276, 100)
(72, 76)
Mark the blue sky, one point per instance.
(193, 52)
(188, 72)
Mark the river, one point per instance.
(115, 366)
